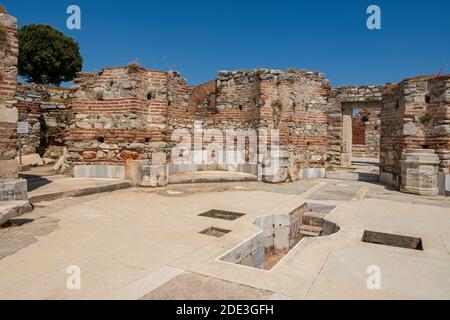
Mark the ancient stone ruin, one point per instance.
(11, 187)
(120, 123)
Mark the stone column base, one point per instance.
(346, 159)
(420, 191)
(420, 172)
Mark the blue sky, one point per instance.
(198, 38)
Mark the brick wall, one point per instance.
(123, 113)
(359, 129)
(47, 110)
(416, 115)
(9, 51)
(296, 104)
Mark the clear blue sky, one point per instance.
(198, 38)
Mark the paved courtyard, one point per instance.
(145, 244)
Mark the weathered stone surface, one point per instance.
(8, 21)
(100, 172)
(8, 83)
(420, 172)
(410, 120)
(312, 173)
(13, 209)
(83, 125)
(153, 176)
(8, 115)
(142, 174)
(275, 167)
(410, 129)
(11, 190)
(8, 169)
(89, 155)
(33, 160)
(159, 158)
(129, 155)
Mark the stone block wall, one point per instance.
(9, 51)
(130, 112)
(229, 102)
(392, 143)
(296, 105)
(416, 115)
(438, 133)
(121, 114)
(47, 110)
(291, 102)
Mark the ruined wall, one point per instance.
(415, 116)
(9, 51)
(47, 110)
(392, 143)
(334, 129)
(121, 114)
(230, 102)
(438, 133)
(295, 103)
(131, 113)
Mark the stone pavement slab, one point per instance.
(137, 242)
(65, 187)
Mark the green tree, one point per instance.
(47, 56)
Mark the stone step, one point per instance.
(311, 231)
(314, 219)
(353, 176)
(12, 209)
(210, 177)
(72, 191)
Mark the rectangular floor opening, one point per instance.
(215, 232)
(393, 240)
(220, 214)
(280, 234)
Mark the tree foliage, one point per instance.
(47, 56)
